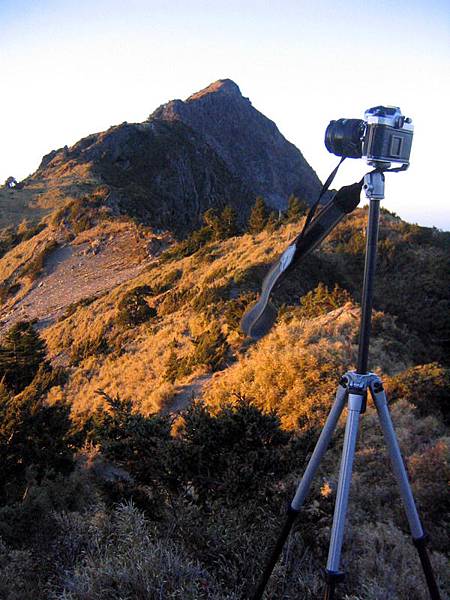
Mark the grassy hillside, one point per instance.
(156, 449)
(196, 303)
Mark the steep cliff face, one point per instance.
(164, 174)
(249, 143)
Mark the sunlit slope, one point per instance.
(152, 338)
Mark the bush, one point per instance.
(177, 367)
(211, 349)
(196, 240)
(427, 387)
(296, 209)
(227, 454)
(133, 309)
(34, 437)
(89, 347)
(258, 216)
(322, 300)
(135, 442)
(22, 351)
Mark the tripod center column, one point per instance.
(374, 189)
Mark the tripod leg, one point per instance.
(304, 486)
(419, 537)
(333, 575)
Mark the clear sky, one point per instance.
(70, 68)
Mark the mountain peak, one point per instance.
(248, 143)
(222, 86)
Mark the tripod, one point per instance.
(352, 390)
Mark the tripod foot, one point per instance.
(332, 578)
(421, 545)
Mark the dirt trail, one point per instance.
(186, 393)
(86, 267)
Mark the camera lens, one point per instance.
(343, 137)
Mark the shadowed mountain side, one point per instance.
(249, 143)
(164, 174)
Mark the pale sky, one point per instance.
(70, 68)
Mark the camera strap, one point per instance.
(313, 208)
(259, 318)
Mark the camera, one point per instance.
(383, 136)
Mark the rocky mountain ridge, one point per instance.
(249, 143)
(206, 152)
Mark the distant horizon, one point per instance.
(80, 68)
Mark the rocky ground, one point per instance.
(95, 262)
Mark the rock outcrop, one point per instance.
(249, 143)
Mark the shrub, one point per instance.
(227, 454)
(296, 209)
(425, 386)
(133, 309)
(89, 347)
(174, 300)
(177, 367)
(258, 216)
(140, 445)
(211, 349)
(196, 240)
(322, 300)
(166, 283)
(33, 436)
(22, 351)
(222, 225)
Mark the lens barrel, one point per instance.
(344, 137)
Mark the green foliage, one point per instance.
(74, 306)
(258, 216)
(209, 295)
(427, 387)
(8, 290)
(33, 435)
(211, 349)
(174, 300)
(228, 454)
(135, 442)
(133, 309)
(177, 367)
(165, 284)
(217, 227)
(89, 346)
(412, 279)
(196, 240)
(296, 209)
(273, 221)
(11, 237)
(83, 213)
(21, 353)
(322, 300)
(386, 211)
(228, 218)
(222, 225)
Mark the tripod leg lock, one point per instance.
(421, 542)
(292, 512)
(333, 577)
